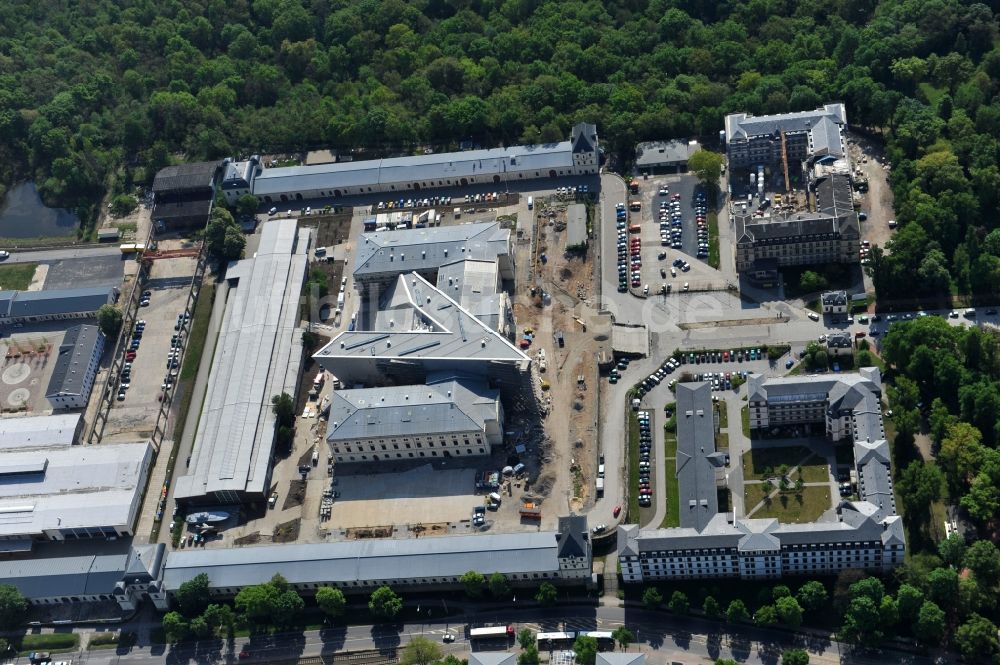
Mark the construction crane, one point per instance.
(784, 161)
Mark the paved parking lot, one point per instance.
(169, 285)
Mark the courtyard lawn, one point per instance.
(673, 516)
(790, 507)
(16, 276)
(814, 470)
(761, 463)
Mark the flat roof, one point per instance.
(256, 357)
(630, 339)
(59, 301)
(23, 432)
(78, 347)
(659, 153)
(72, 487)
(366, 561)
(405, 250)
(576, 224)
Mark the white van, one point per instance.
(531, 202)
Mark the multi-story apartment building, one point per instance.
(753, 141)
(448, 417)
(76, 367)
(863, 534)
(830, 234)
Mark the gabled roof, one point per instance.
(78, 347)
(61, 301)
(492, 658)
(572, 536)
(180, 177)
(584, 137)
(695, 470)
(620, 658)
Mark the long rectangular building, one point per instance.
(863, 534)
(407, 175)
(76, 367)
(760, 140)
(29, 306)
(258, 355)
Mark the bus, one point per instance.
(557, 640)
(491, 632)
(603, 637)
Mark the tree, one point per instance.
(246, 205)
(679, 603)
(789, 611)
(474, 584)
(193, 596)
(123, 204)
(811, 595)
(977, 638)
(420, 651)
(224, 241)
(283, 407)
(711, 607)
(384, 603)
(585, 648)
(652, 598)
(13, 607)
(109, 320)
(707, 166)
(175, 627)
(737, 612)
(781, 590)
(931, 624)
(273, 603)
(942, 587)
(547, 594)
(766, 616)
(983, 559)
(795, 657)
(525, 638)
(861, 622)
(812, 281)
(529, 656)
(919, 485)
(909, 599)
(499, 587)
(331, 601)
(220, 616)
(623, 636)
(952, 549)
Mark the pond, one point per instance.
(23, 215)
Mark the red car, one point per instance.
(130, 355)
(617, 511)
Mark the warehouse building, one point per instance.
(183, 196)
(476, 286)
(258, 355)
(449, 417)
(654, 157)
(752, 140)
(76, 367)
(495, 166)
(28, 432)
(62, 492)
(864, 534)
(58, 577)
(56, 304)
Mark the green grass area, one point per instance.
(761, 463)
(672, 495)
(814, 471)
(199, 329)
(633, 464)
(790, 507)
(931, 93)
(112, 640)
(16, 276)
(722, 438)
(54, 642)
(713, 240)
(745, 416)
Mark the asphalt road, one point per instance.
(688, 640)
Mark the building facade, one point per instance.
(183, 195)
(408, 175)
(449, 417)
(834, 302)
(752, 141)
(76, 367)
(55, 304)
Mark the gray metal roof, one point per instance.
(503, 162)
(406, 250)
(64, 576)
(237, 175)
(416, 320)
(256, 357)
(813, 387)
(695, 442)
(492, 658)
(664, 153)
(742, 126)
(442, 406)
(367, 561)
(620, 658)
(834, 197)
(50, 431)
(185, 177)
(78, 347)
(75, 487)
(475, 285)
(576, 224)
(60, 301)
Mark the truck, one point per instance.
(531, 202)
(491, 632)
(600, 487)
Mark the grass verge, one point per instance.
(112, 640)
(671, 493)
(713, 240)
(16, 276)
(745, 416)
(633, 464)
(53, 642)
(790, 507)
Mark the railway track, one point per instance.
(365, 657)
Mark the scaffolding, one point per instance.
(784, 161)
